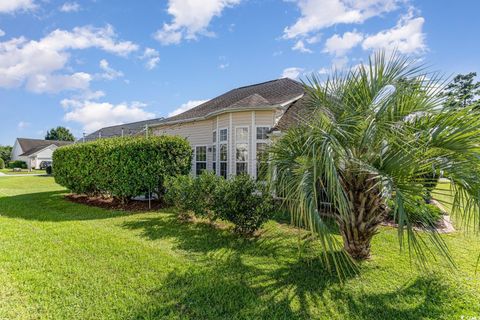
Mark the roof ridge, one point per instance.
(265, 82)
(128, 123)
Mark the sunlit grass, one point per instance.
(60, 260)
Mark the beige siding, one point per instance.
(201, 133)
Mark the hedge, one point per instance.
(121, 167)
(17, 164)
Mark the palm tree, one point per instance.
(376, 135)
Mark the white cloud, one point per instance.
(319, 14)
(39, 62)
(152, 58)
(10, 6)
(22, 125)
(300, 46)
(2, 33)
(190, 18)
(292, 73)
(186, 106)
(223, 65)
(406, 37)
(108, 72)
(340, 45)
(95, 115)
(70, 7)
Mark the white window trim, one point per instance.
(195, 157)
(257, 141)
(247, 142)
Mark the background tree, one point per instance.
(368, 148)
(463, 91)
(60, 134)
(5, 153)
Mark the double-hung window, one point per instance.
(241, 150)
(261, 146)
(200, 159)
(214, 152)
(223, 152)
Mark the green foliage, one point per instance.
(178, 193)
(419, 212)
(2, 164)
(245, 203)
(205, 187)
(5, 153)
(17, 164)
(59, 134)
(121, 167)
(463, 91)
(375, 133)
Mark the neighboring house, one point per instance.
(127, 129)
(34, 151)
(229, 132)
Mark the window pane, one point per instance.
(214, 167)
(242, 168)
(242, 152)
(224, 135)
(214, 153)
(201, 154)
(223, 169)
(223, 152)
(214, 136)
(261, 147)
(241, 135)
(200, 166)
(262, 133)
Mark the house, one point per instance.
(229, 132)
(34, 151)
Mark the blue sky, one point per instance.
(92, 63)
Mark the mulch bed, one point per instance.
(115, 204)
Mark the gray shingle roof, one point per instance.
(258, 95)
(30, 146)
(129, 129)
(297, 112)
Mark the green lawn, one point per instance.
(24, 171)
(60, 260)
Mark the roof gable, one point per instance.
(30, 146)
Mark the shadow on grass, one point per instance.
(265, 279)
(51, 206)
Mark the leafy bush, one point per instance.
(17, 164)
(2, 164)
(243, 202)
(121, 167)
(49, 170)
(179, 190)
(197, 195)
(420, 213)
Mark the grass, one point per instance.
(24, 171)
(60, 260)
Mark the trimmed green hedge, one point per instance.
(17, 164)
(121, 167)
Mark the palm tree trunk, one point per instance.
(367, 211)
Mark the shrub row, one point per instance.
(240, 200)
(2, 164)
(17, 164)
(121, 167)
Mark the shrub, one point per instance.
(421, 213)
(17, 164)
(243, 202)
(121, 167)
(205, 187)
(179, 190)
(2, 164)
(49, 170)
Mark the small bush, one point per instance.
(121, 167)
(243, 202)
(205, 187)
(17, 164)
(421, 213)
(178, 193)
(49, 170)
(2, 164)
